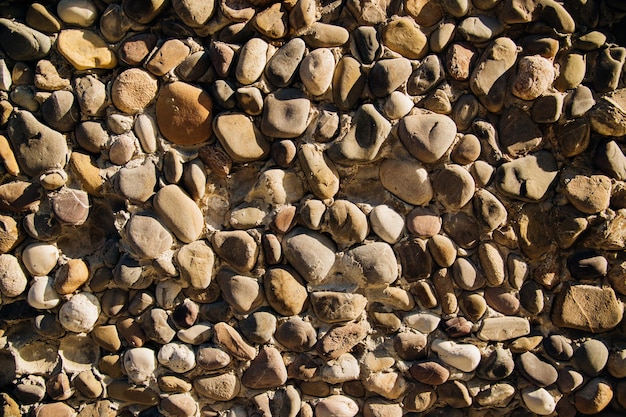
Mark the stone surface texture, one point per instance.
(312, 208)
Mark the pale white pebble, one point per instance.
(146, 130)
(387, 223)
(12, 278)
(397, 105)
(252, 60)
(344, 368)
(42, 295)
(423, 322)
(316, 71)
(462, 356)
(140, 364)
(5, 76)
(177, 356)
(40, 258)
(539, 401)
(336, 406)
(77, 12)
(80, 313)
(196, 334)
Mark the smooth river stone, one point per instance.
(387, 223)
(407, 179)
(495, 61)
(499, 329)
(310, 253)
(373, 263)
(12, 278)
(362, 143)
(252, 60)
(316, 71)
(281, 68)
(222, 387)
(454, 186)
(528, 178)
(348, 83)
(285, 292)
(240, 137)
(195, 263)
(147, 236)
(285, 114)
(184, 113)
(21, 42)
(464, 357)
(169, 202)
(427, 136)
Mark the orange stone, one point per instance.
(184, 113)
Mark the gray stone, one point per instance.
(22, 43)
(427, 136)
(528, 178)
(311, 254)
(281, 68)
(285, 114)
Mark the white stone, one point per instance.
(77, 12)
(5, 76)
(539, 401)
(80, 313)
(178, 357)
(140, 364)
(252, 60)
(423, 322)
(42, 295)
(397, 105)
(147, 132)
(464, 357)
(316, 71)
(387, 223)
(344, 368)
(336, 406)
(40, 258)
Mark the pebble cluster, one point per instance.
(312, 208)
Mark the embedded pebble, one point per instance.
(325, 208)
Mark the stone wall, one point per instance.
(300, 208)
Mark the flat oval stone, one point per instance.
(591, 357)
(386, 223)
(466, 275)
(496, 60)
(21, 42)
(465, 357)
(407, 179)
(168, 202)
(373, 263)
(429, 372)
(336, 405)
(388, 74)
(147, 236)
(316, 71)
(281, 68)
(539, 372)
(348, 83)
(296, 334)
(500, 329)
(242, 293)
(427, 136)
(240, 137)
(252, 60)
(195, 263)
(184, 113)
(479, 29)
(454, 187)
(237, 248)
(285, 114)
(311, 254)
(324, 35)
(71, 276)
(12, 278)
(346, 223)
